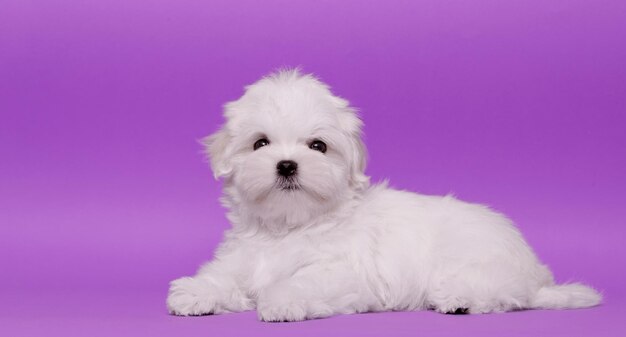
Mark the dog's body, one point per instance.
(311, 238)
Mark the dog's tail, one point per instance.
(566, 296)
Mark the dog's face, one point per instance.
(290, 149)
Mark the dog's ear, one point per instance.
(358, 179)
(217, 147)
(352, 124)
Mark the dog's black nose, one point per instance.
(287, 168)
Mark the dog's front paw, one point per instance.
(283, 312)
(190, 296)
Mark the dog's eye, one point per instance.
(260, 143)
(318, 145)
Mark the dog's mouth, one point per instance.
(293, 185)
(288, 184)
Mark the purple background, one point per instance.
(105, 196)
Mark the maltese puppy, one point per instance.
(312, 238)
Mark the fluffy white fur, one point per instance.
(333, 244)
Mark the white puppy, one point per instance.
(311, 238)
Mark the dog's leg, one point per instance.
(314, 292)
(214, 290)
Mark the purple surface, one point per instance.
(105, 196)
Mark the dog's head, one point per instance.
(289, 149)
